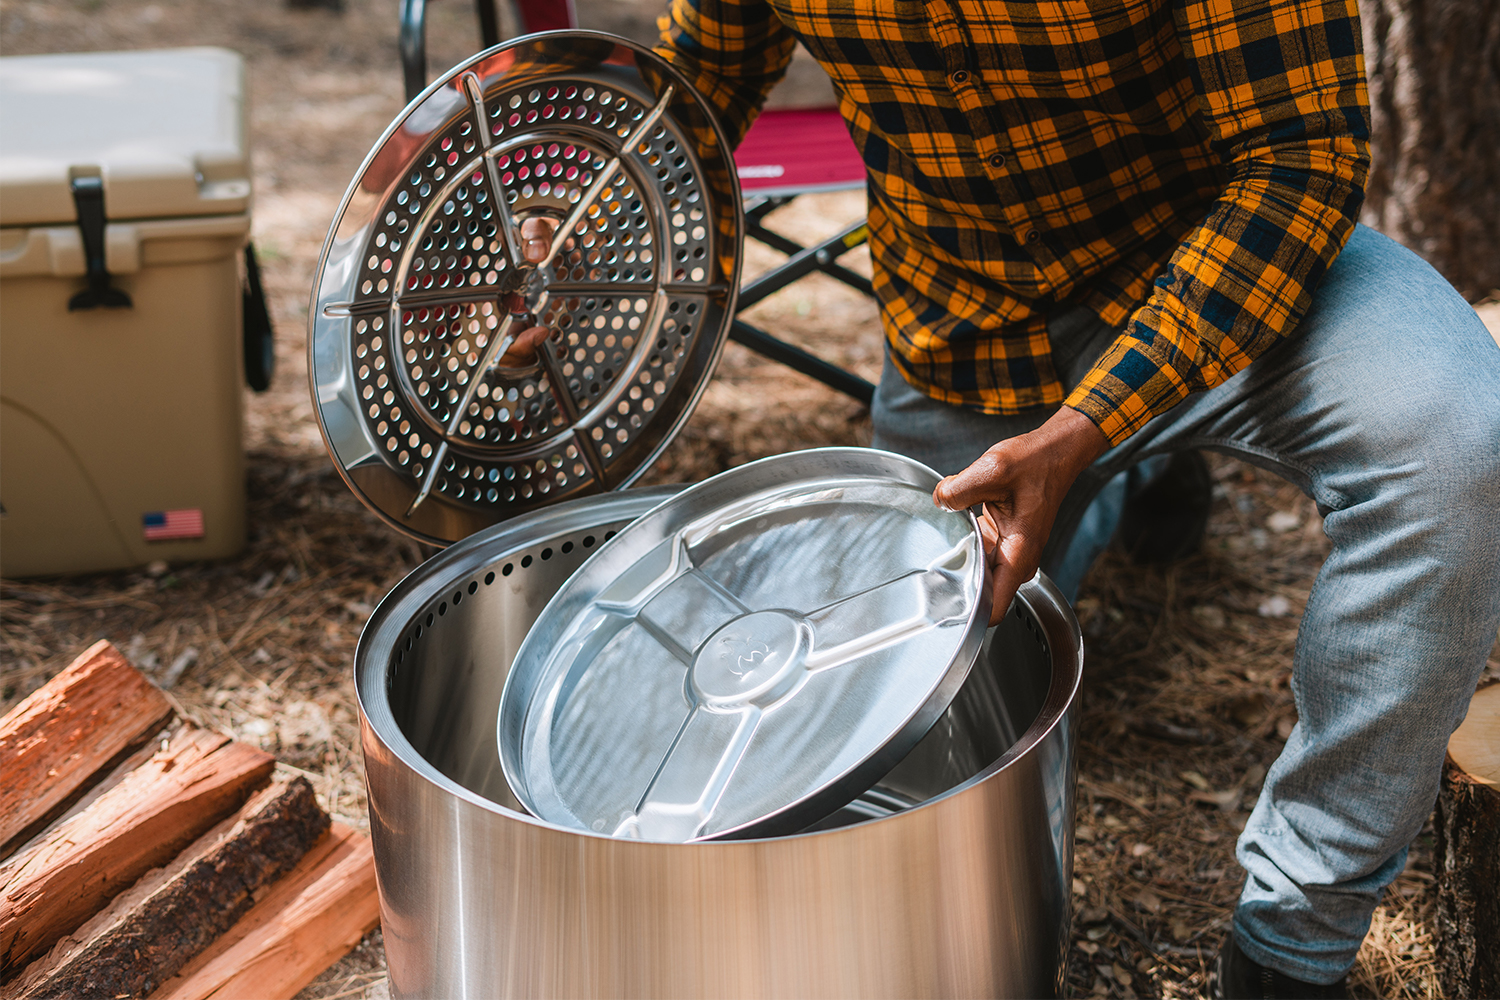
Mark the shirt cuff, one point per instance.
(1125, 389)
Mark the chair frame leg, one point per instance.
(414, 46)
(799, 360)
(414, 40)
(801, 262)
(489, 23)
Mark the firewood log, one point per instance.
(69, 733)
(78, 865)
(151, 930)
(307, 920)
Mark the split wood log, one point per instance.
(67, 734)
(1468, 854)
(306, 922)
(158, 809)
(171, 914)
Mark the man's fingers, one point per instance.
(522, 350)
(973, 485)
(1013, 561)
(536, 237)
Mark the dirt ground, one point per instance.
(1185, 702)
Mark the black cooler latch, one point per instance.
(88, 199)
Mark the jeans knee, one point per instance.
(1465, 461)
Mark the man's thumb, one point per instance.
(965, 489)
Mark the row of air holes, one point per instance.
(589, 251)
(439, 173)
(559, 106)
(610, 206)
(1036, 632)
(620, 321)
(470, 228)
(587, 372)
(463, 242)
(680, 237)
(489, 579)
(547, 470)
(412, 200)
(447, 347)
(612, 422)
(562, 173)
(382, 381)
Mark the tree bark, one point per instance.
(158, 809)
(1468, 855)
(154, 928)
(1434, 73)
(309, 918)
(1434, 95)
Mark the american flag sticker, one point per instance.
(172, 525)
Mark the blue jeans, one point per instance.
(1385, 410)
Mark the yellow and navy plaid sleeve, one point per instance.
(732, 52)
(1186, 169)
(1280, 84)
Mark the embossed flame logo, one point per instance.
(741, 654)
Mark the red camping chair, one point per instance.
(787, 152)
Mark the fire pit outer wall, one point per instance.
(950, 878)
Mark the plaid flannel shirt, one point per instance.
(1186, 169)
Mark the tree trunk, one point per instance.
(1468, 855)
(1434, 73)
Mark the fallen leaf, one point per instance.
(1078, 888)
(1088, 948)
(1195, 779)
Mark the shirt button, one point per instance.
(961, 76)
(1032, 236)
(997, 161)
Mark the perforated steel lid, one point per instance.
(750, 655)
(422, 285)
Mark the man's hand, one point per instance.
(536, 238)
(1021, 482)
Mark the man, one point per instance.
(1108, 231)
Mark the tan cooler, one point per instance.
(124, 205)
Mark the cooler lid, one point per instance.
(164, 129)
(422, 286)
(750, 655)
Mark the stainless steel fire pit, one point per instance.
(950, 877)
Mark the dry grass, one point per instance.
(1185, 702)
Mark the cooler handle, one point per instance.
(88, 201)
(260, 347)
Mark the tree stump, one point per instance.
(1468, 855)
